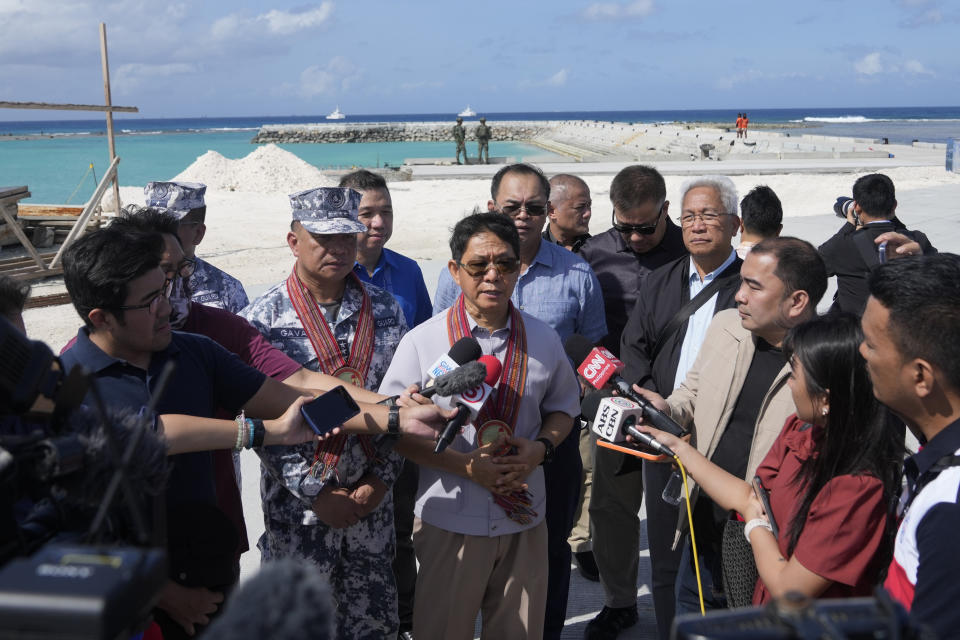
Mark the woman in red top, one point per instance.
(830, 475)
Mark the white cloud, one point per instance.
(869, 65)
(131, 76)
(916, 67)
(274, 23)
(616, 10)
(558, 79)
(337, 76)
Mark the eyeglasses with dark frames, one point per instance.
(707, 217)
(153, 303)
(533, 210)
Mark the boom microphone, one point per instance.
(284, 598)
(599, 367)
(470, 402)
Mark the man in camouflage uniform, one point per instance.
(336, 511)
(483, 138)
(459, 136)
(211, 286)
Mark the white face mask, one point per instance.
(179, 303)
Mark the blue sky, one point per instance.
(226, 58)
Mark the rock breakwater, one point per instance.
(394, 132)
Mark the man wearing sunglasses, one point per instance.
(675, 305)
(480, 535)
(642, 238)
(560, 289)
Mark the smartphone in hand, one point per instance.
(764, 496)
(329, 410)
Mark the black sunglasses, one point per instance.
(642, 229)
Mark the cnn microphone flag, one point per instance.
(599, 367)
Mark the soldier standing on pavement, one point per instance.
(483, 138)
(459, 136)
(333, 504)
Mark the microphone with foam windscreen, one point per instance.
(470, 402)
(457, 381)
(615, 417)
(600, 368)
(283, 599)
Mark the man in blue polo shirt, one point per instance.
(560, 289)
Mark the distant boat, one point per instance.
(467, 113)
(337, 114)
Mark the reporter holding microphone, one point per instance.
(480, 535)
(829, 476)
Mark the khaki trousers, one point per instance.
(504, 578)
(580, 539)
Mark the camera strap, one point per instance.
(687, 310)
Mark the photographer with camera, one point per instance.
(854, 250)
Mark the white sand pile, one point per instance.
(268, 169)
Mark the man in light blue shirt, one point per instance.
(560, 289)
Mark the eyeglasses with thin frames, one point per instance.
(479, 269)
(153, 303)
(642, 229)
(708, 218)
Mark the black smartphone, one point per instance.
(329, 410)
(764, 497)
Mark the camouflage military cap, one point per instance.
(178, 198)
(327, 210)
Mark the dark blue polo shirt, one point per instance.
(403, 278)
(207, 377)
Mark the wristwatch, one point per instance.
(549, 449)
(393, 420)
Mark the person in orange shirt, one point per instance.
(739, 125)
(745, 121)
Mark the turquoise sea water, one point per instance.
(54, 167)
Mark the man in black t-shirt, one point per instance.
(735, 398)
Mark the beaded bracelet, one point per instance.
(241, 423)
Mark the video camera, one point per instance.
(72, 566)
(796, 617)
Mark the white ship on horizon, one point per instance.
(336, 114)
(467, 113)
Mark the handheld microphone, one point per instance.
(599, 367)
(462, 351)
(614, 417)
(457, 381)
(470, 402)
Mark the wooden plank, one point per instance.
(48, 210)
(14, 192)
(32, 273)
(26, 259)
(106, 99)
(111, 174)
(34, 302)
(67, 107)
(22, 237)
